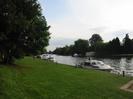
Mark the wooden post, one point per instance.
(123, 73)
(76, 66)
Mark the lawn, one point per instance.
(38, 79)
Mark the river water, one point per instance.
(119, 64)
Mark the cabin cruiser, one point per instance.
(47, 57)
(97, 65)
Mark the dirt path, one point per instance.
(128, 86)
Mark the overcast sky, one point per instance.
(73, 19)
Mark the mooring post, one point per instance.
(123, 73)
(76, 66)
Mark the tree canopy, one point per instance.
(114, 46)
(23, 31)
(81, 46)
(127, 44)
(95, 39)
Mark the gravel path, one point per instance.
(128, 86)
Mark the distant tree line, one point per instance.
(96, 44)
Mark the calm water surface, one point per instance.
(119, 64)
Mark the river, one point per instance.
(119, 64)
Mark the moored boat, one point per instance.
(97, 65)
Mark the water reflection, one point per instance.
(120, 64)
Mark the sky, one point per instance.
(74, 19)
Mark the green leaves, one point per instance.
(24, 27)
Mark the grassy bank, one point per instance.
(38, 79)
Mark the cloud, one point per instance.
(115, 14)
(85, 15)
(70, 28)
(109, 18)
(60, 42)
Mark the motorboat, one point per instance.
(47, 57)
(97, 65)
(75, 55)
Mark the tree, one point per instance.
(114, 46)
(24, 30)
(67, 50)
(95, 41)
(96, 38)
(127, 45)
(81, 46)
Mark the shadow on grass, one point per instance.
(3, 95)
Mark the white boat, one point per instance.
(75, 55)
(47, 57)
(98, 65)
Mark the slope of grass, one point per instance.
(39, 79)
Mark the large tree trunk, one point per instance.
(6, 57)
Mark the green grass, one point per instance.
(39, 79)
